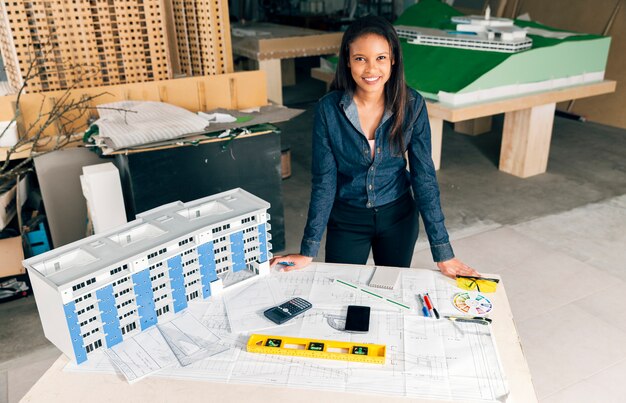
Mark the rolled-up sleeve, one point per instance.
(425, 186)
(323, 185)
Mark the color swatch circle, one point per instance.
(472, 303)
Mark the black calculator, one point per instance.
(287, 310)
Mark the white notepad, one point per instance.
(385, 277)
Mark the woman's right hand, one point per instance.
(299, 262)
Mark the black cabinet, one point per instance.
(153, 178)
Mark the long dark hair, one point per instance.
(395, 89)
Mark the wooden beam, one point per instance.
(526, 140)
(271, 67)
(436, 136)
(514, 103)
(474, 127)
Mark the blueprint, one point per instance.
(246, 302)
(189, 340)
(142, 355)
(426, 358)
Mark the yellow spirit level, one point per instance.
(313, 348)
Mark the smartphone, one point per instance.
(358, 319)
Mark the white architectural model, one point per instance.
(102, 289)
(472, 32)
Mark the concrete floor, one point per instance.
(557, 239)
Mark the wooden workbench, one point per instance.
(269, 43)
(528, 120)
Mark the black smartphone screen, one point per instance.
(358, 319)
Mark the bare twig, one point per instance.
(65, 113)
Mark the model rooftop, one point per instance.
(146, 236)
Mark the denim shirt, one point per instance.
(343, 169)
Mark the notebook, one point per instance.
(384, 277)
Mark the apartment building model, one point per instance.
(472, 32)
(125, 41)
(100, 290)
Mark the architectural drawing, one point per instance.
(98, 291)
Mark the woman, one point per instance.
(361, 190)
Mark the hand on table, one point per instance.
(454, 266)
(299, 262)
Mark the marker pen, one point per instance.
(431, 306)
(424, 308)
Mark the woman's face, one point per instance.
(370, 63)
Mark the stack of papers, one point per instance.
(140, 125)
(179, 342)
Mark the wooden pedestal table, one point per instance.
(268, 44)
(528, 121)
(527, 127)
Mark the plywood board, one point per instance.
(271, 41)
(11, 256)
(233, 91)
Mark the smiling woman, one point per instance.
(361, 191)
(370, 65)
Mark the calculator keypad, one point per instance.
(295, 306)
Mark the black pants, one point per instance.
(390, 231)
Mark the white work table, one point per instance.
(58, 385)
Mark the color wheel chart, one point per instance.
(472, 303)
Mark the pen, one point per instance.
(424, 308)
(431, 308)
(470, 319)
(433, 305)
(287, 263)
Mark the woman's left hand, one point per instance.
(454, 266)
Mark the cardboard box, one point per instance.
(8, 201)
(7, 205)
(11, 256)
(8, 134)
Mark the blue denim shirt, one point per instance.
(343, 169)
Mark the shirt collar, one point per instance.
(349, 107)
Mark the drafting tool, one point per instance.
(472, 303)
(314, 348)
(373, 294)
(470, 319)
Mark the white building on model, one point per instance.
(472, 32)
(100, 290)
